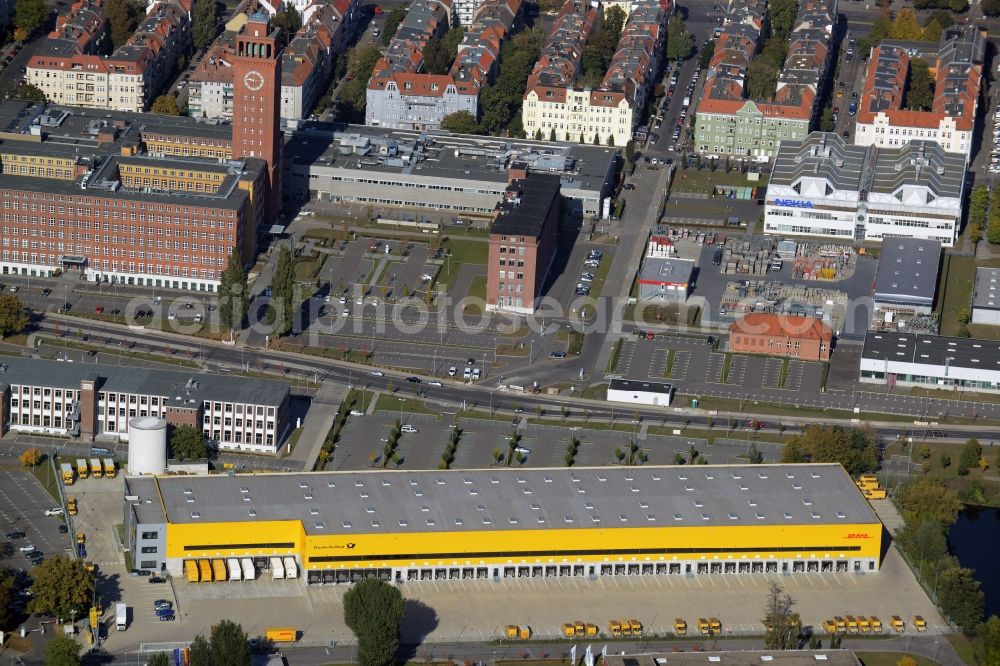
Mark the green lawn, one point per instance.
(890, 659)
(954, 291)
(306, 268)
(462, 251)
(391, 404)
(705, 180)
(477, 291)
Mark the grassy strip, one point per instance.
(461, 252)
(955, 287)
(615, 353)
(726, 365)
(393, 403)
(575, 345)
(891, 658)
(668, 367)
(111, 351)
(783, 377)
(826, 374)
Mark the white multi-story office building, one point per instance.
(825, 187)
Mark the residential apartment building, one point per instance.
(803, 338)
(465, 175)
(306, 65)
(824, 186)
(96, 402)
(554, 108)
(957, 66)
(401, 95)
(127, 80)
(524, 238)
(729, 124)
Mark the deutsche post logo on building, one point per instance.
(350, 545)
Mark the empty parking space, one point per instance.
(771, 376)
(713, 373)
(679, 369)
(738, 369)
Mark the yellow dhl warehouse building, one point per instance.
(500, 523)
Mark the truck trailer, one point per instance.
(109, 468)
(219, 569)
(121, 616)
(277, 569)
(249, 573)
(235, 573)
(67, 474)
(191, 570)
(280, 634)
(205, 571)
(291, 569)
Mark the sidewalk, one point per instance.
(318, 421)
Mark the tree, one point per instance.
(925, 542)
(61, 586)
(920, 91)
(705, 57)
(782, 14)
(762, 79)
(978, 199)
(460, 122)
(203, 23)
(961, 598)
(781, 624)
(990, 7)
(932, 31)
(392, 21)
(754, 456)
(8, 593)
(62, 651)
(969, 457)
(289, 20)
(29, 92)
(165, 105)
(373, 610)
(123, 17)
(906, 26)
(30, 15)
(958, 6)
(158, 659)
(232, 292)
(927, 498)
(679, 40)
(826, 123)
(991, 641)
(352, 98)
(30, 457)
(13, 318)
(200, 653)
(851, 447)
(439, 52)
(187, 443)
(230, 646)
(630, 152)
(283, 291)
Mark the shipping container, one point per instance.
(95, 468)
(109, 468)
(81, 468)
(291, 569)
(249, 573)
(205, 571)
(219, 569)
(280, 634)
(68, 476)
(277, 569)
(191, 571)
(235, 572)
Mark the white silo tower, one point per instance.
(147, 445)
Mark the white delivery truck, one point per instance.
(248, 571)
(277, 570)
(121, 616)
(235, 573)
(291, 570)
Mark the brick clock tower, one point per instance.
(256, 100)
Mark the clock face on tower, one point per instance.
(253, 80)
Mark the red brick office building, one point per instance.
(523, 241)
(804, 338)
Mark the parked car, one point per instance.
(452, 371)
(558, 354)
(377, 373)
(161, 604)
(434, 382)
(406, 427)
(357, 412)
(27, 548)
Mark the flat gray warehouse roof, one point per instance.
(908, 270)
(986, 292)
(368, 502)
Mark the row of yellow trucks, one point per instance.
(850, 624)
(869, 486)
(95, 468)
(236, 568)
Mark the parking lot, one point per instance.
(694, 366)
(22, 509)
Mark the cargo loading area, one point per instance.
(499, 524)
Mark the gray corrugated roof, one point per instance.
(820, 155)
(908, 270)
(986, 292)
(149, 381)
(505, 499)
(932, 350)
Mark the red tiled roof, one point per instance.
(804, 328)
